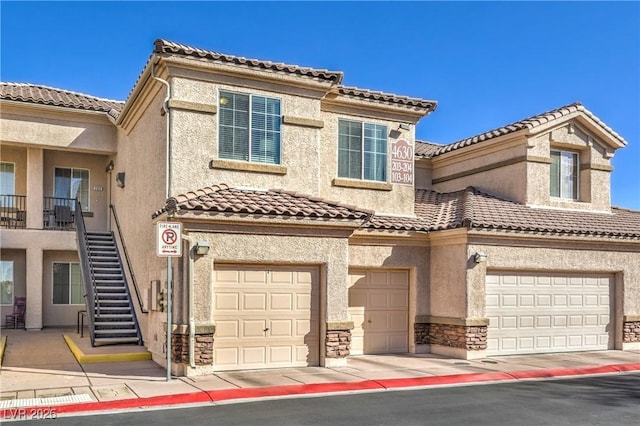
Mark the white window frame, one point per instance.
(250, 112)
(13, 190)
(13, 282)
(576, 156)
(362, 151)
(70, 286)
(9, 200)
(84, 208)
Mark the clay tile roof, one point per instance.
(165, 46)
(528, 123)
(387, 97)
(475, 209)
(426, 149)
(43, 95)
(224, 199)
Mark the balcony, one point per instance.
(57, 213)
(13, 212)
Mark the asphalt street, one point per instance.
(596, 400)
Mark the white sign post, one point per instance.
(169, 244)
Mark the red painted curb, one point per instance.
(445, 380)
(271, 391)
(228, 394)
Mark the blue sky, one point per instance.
(487, 64)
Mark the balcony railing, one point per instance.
(13, 211)
(59, 213)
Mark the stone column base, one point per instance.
(338, 339)
(203, 347)
(466, 334)
(631, 329)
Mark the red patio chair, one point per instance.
(16, 318)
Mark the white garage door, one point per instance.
(538, 313)
(378, 306)
(265, 317)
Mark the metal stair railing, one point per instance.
(87, 271)
(127, 259)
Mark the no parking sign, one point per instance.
(169, 239)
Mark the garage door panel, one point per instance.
(227, 301)
(378, 307)
(226, 356)
(253, 328)
(280, 302)
(254, 301)
(568, 313)
(228, 328)
(276, 323)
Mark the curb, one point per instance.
(82, 358)
(203, 397)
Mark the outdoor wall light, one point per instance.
(202, 248)
(120, 179)
(480, 257)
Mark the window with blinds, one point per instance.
(362, 151)
(249, 128)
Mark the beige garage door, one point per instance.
(378, 306)
(265, 317)
(538, 313)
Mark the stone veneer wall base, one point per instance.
(203, 348)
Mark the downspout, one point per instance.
(192, 322)
(165, 108)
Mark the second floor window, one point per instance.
(71, 183)
(7, 184)
(362, 151)
(564, 174)
(67, 284)
(249, 128)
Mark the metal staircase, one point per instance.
(114, 319)
(110, 310)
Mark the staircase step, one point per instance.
(114, 317)
(115, 340)
(113, 325)
(120, 332)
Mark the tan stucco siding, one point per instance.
(577, 258)
(17, 156)
(398, 200)
(594, 160)
(508, 182)
(448, 282)
(195, 142)
(415, 259)
(424, 174)
(141, 156)
(98, 181)
(330, 253)
(55, 129)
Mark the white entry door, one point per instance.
(538, 313)
(265, 317)
(379, 308)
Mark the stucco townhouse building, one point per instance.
(315, 226)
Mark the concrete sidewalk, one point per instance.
(40, 369)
